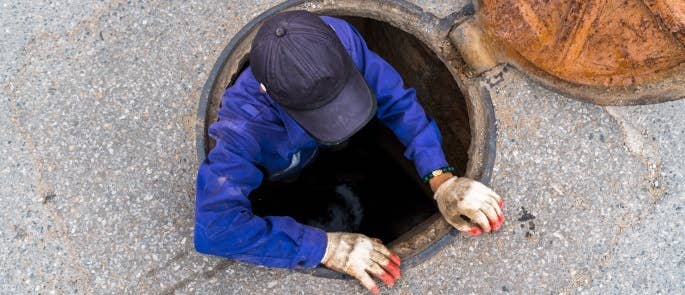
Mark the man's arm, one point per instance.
(224, 223)
(398, 108)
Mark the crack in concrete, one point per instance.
(150, 277)
(208, 274)
(43, 188)
(645, 151)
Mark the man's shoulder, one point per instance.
(243, 99)
(335, 22)
(341, 27)
(346, 34)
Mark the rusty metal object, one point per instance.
(607, 43)
(608, 53)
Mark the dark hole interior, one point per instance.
(368, 186)
(359, 187)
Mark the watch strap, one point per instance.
(437, 172)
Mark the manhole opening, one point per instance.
(368, 186)
(359, 188)
(401, 212)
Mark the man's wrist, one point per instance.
(437, 172)
(436, 181)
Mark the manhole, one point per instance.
(417, 45)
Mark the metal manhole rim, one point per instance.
(479, 105)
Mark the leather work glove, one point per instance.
(360, 257)
(460, 196)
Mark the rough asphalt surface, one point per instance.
(98, 162)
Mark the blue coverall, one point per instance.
(255, 134)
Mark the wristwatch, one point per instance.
(437, 172)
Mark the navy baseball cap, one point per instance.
(303, 65)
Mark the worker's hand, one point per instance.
(360, 256)
(460, 196)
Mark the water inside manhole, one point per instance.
(368, 186)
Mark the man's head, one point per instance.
(305, 68)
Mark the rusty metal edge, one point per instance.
(653, 92)
(491, 137)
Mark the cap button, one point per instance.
(280, 31)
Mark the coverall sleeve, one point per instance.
(224, 223)
(399, 109)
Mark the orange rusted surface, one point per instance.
(607, 43)
(672, 14)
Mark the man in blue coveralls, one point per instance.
(313, 82)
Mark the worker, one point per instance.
(312, 83)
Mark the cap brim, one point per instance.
(343, 116)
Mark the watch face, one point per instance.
(437, 172)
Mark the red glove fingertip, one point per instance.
(396, 259)
(475, 231)
(496, 225)
(388, 279)
(393, 269)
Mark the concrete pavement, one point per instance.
(98, 162)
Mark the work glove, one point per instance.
(361, 257)
(459, 196)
